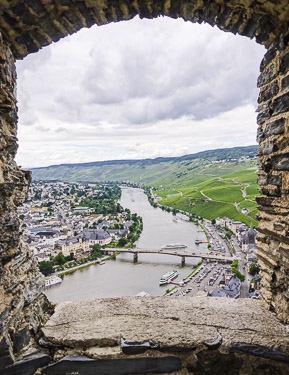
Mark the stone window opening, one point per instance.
(26, 27)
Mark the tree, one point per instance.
(228, 235)
(59, 259)
(253, 269)
(213, 221)
(238, 274)
(46, 267)
(122, 242)
(96, 247)
(69, 257)
(96, 251)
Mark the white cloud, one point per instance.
(143, 88)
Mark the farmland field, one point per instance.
(218, 196)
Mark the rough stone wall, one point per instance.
(29, 25)
(20, 281)
(273, 135)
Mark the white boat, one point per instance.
(174, 246)
(101, 262)
(175, 219)
(143, 294)
(168, 277)
(53, 280)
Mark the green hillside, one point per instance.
(209, 184)
(187, 170)
(218, 196)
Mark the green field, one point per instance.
(225, 196)
(225, 193)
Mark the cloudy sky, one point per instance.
(137, 89)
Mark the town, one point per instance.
(69, 224)
(240, 279)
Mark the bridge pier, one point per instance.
(135, 257)
(183, 261)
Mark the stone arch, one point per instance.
(28, 25)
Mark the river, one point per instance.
(122, 277)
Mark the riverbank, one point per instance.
(122, 276)
(191, 273)
(72, 270)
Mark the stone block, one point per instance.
(281, 162)
(275, 179)
(28, 365)
(285, 83)
(6, 355)
(88, 366)
(164, 321)
(269, 92)
(267, 148)
(263, 116)
(259, 351)
(284, 63)
(281, 104)
(20, 339)
(274, 128)
(269, 56)
(214, 363)
(267, 75)
(271, 192)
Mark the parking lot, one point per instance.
(205, 279)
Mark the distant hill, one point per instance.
(170, 170)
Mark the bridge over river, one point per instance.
(181, 253)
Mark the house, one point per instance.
(235, 225)
(223, 222)
(230, 290)
(73, 245)
(99, 237)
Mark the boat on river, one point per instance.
(166, 278)
(197, 241)
(172, 246)
(53, 280)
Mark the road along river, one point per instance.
(122, 277)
